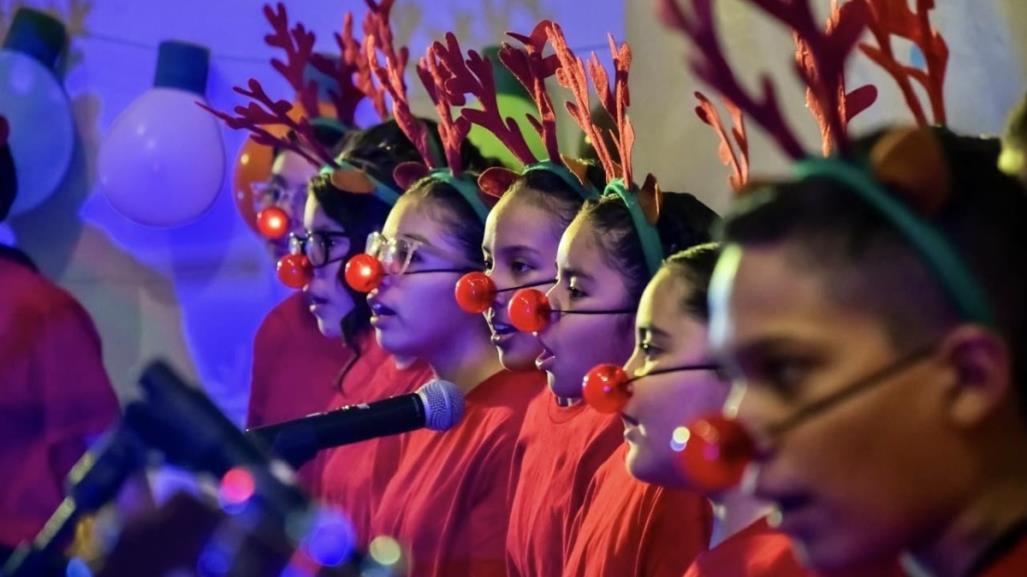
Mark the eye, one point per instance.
(649, 350)
(575, 293)
(784, 374)
(489, 263)
(520, 267)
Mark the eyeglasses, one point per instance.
(396, 255)
(278, 192)
(317, 246)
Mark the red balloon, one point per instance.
(529, 310)
(716, 452)
(294, 271)
(364, 273)
(475, 292)
(606, 388)
(272, 222)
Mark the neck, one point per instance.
(733, 512)
(466, 360)
(995, 504)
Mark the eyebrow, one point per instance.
(571, 272)
(518, 248)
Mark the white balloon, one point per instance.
(162, 162)
(42, 131)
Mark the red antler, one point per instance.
(737, 161)
(889, 18)
(298, 45)
(378, 38)
(571, 75)
(264, 111)
(712, 67)
(531, 69)
(473, 76)
(616, 102)
(345, 96)
(832, 114)
(452, 131)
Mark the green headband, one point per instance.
(565, 174)
(953, 273)
(652, 248)
(383, 192)
(466, 188)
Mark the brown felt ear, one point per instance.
(407, 173)
(913, 161)
(496, 180)
(576, 166)
(650, 198)
(352, 180)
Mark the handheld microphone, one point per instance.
(438, 405)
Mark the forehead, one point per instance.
(293, 168)
(315, 218)
(764, 293)
(419, 219)
(661, 301)
(518, 221)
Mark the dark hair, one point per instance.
(376, 150)
(550, 192)
(695, 265)
(8, 179)
(828, 228)
(684, 222)
(447, 206)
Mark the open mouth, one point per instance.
(629, 421)
(380, 310)
(501, 331)
(545, 360)
(315, 301)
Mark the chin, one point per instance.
(562, 387)
(330, 329)
(642, 468)
(831, 556)
(517, 359)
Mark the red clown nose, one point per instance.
(606, 388)
(475, 292)
(529, 310)
(273, 223)
(364, 273)
(715, 452)
(294, 271)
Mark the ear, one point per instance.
(913, 160)
(982, 364)
(496, 180)
(407, 173)
(577, 167)
(650, 197)
(352, 180)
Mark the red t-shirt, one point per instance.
(756, 551)
(295, 368)
(630, 528)
(354, 476)
(448, 500)
(558, 451)
(55, 396)
(1011, 563)
(760, 551)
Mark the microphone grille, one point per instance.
(443, 404)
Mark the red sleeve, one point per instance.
(78, 398)
(264, 347)
(676, 531)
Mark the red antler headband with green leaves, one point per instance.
(911, 159)
(643, 203)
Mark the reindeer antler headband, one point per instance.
(891, 159)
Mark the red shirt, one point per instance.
(756, 551)
(1010, 563)
(54, 396)
(354, 476)
(630, 528)
(760, 551)
(448, 500)
(558, 451)
(296, 369)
